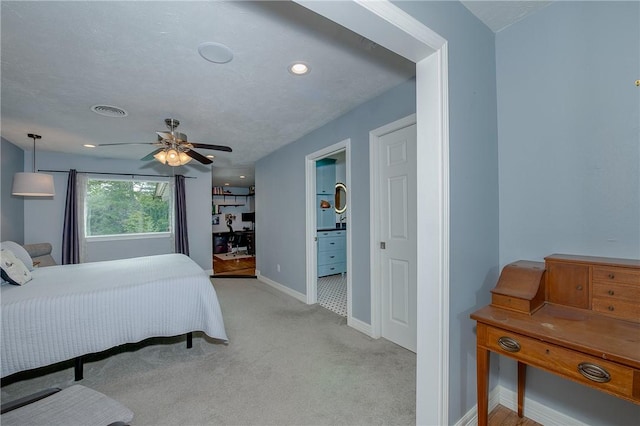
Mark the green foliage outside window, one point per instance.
(116, 207)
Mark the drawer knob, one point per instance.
(509, 344)
(611, 292)
(594, 372)
(579, 287)
(612, 276)
(611, 308)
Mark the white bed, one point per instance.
(67, 311)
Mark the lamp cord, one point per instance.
(34, 137)
(34, 153)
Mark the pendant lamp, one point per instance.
(33, 184)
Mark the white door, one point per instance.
(398, 242)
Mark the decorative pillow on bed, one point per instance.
(12, 269)
(19, 251)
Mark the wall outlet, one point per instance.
(278, 267)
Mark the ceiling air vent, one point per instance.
(109, 111)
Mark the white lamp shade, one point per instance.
(33, 185)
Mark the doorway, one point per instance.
(389, 26)
(233, 234)
(329, 239)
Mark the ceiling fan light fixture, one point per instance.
(184, 158)
(172, 155)
(161, 157)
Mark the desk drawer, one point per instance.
(597, 373)
(629, 293)
(616, 275)
(616, 308)
(618, 300)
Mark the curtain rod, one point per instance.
(114, 174)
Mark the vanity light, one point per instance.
(299, 68)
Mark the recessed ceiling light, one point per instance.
(226, 184)
(242, 176)
(89, 145)
(299, 68)
(211, 156)
(215, 52)
(109, 111)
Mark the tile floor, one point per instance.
(332, 293)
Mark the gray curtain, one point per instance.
(70, 241)
(181, 237)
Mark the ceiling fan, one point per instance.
(174, 148)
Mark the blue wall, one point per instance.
(43, 218)
(474, 189)
(280, 196)
(569, 144)
(473, 183)
(12, 206)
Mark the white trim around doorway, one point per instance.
(389, 26)
(311, 222)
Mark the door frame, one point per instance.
(311, 220)
(387, 25)
(374, 217)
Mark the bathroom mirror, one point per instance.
(341, 198)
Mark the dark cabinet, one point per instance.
(251, 247)
(220, 242)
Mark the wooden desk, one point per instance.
(598, 349)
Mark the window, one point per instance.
(127, 208)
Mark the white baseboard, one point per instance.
(537, 411)
(361, 326)
(532, 410)
(295, 294)
(471, 418)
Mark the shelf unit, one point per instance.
(229, 200)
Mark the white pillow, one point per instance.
(12, 269)
(20, 252)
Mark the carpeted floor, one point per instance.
(286, 363)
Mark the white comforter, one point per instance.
(71, 310)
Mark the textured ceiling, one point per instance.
(61, 58)
(498, 15)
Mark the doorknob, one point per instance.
(383, 245)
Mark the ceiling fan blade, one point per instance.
(196, 156)
(150, 155)
(165, 135)
(130, 143)
(214, 147)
